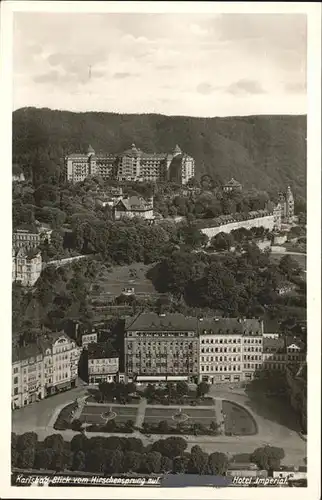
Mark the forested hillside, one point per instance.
(266, 152)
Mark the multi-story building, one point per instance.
(31, 237)
(230, 349)
(42, 368)
(79, 166)
(132, 164)
(26, 266)
(161, 347)
(27, 375)
(133, 206)
(103, 363)
(88, 337)
(232, 186)
(286, 201)
(180, 166)
(279, 353)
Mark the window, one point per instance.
(15, 380)
(15, 370)
(15, 392)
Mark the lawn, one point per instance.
(110, 282)
(238, 421)
(196, 415)
(93, 414)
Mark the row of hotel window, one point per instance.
(230, 349)
(111, 361)
(230, 368)
(232, 341)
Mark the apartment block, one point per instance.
(43, 368)
(230, 349)
(31, 236)
(103, 363)
(282, 352)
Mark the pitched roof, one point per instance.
(101, 350)
(169, 322)
(135, 203)
(245, 326)
(233, 183)
(177, 321)
(273, 345)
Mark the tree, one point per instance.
(26, 458)
(181, 463)
(96, 460)
(79, 461)
(182, 388)
(14, 451)
(222, 241)
(44, 458)
(268, 457)
(152, 462)
(134, 444)
(54, 442)
(132, 461)
(198, 463)
(202, 389)
(77, 424)
(218, 463)
(26, 441)
(289, 266)
(114, 461)
(166, 464)
(170, 447)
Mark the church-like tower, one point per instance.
(289, 199)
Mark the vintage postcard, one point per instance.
(161, 257)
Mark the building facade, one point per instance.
(133, 206)
(103, 363)
(79, 166)
(161, 347)
(232, 186)
(30, 238)
(26, 266)
(286, 201)
(230, 349)
(43, 368)
(132, 164)
(281, 352)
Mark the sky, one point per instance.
(174, 64)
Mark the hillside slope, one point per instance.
(267, 152)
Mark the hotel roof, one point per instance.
(205, 326)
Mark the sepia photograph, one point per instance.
(159, 327)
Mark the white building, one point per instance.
(134, 206)
(26, 266)
(45, 367)
(230, 349)
(103, 363)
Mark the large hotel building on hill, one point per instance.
(131, 165)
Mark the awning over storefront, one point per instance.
(145, 378)
(63, 385)
(177, 378)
